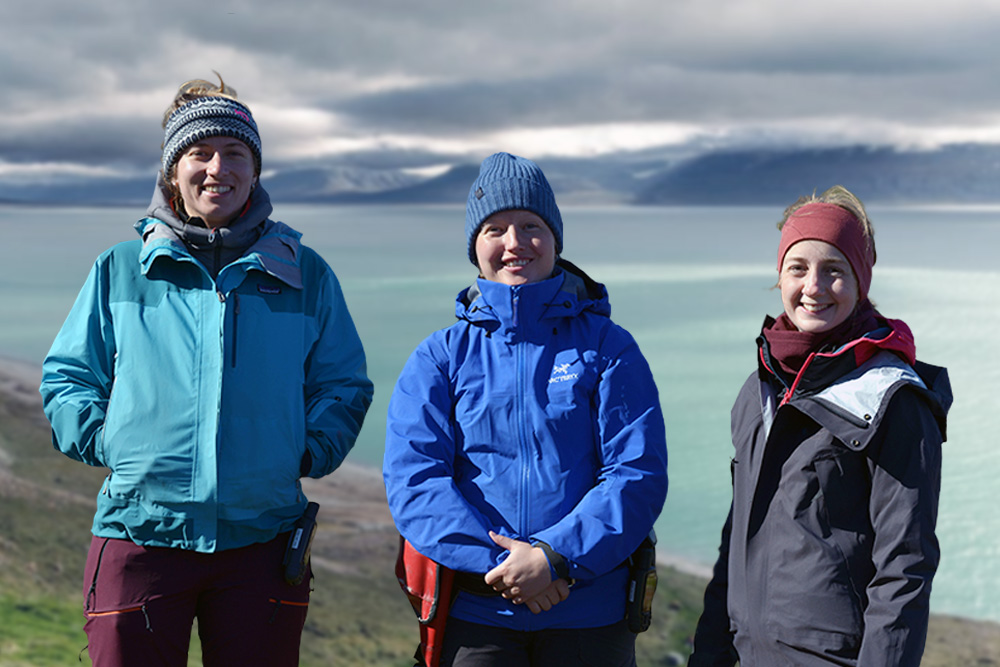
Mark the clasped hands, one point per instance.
(524, 576)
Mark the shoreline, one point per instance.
(19, 381)
(355, 488)
(351, 499)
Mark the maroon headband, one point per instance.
(837, 226)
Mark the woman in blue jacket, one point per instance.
(525, 445)
(829, 550)
(209, 364)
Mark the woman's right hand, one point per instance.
(524, 574)
(556, 592)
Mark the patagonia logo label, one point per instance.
(479, 193)
(560, 373)
(268, 289)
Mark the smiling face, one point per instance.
(818, 287)
(214, 177)
(515, 247)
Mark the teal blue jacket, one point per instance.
(207, 399)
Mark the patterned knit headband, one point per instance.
(208, 117)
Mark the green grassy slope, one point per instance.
(358, 615)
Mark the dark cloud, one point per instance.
(87, 82)
(119, 141)
(648, 94)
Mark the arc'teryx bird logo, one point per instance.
(560, 373)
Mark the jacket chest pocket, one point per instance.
(265, 332)
(845, 486)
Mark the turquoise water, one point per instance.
(691, 284)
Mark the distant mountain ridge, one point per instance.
(964, 174)
(956, 174)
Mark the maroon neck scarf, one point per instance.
(791, 347)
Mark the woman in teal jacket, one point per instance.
(525, 444)
(209, 364)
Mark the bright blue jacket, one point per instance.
(204, 396)
(537, 417)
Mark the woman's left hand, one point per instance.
(523, 575)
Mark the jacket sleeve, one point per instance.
(614, 516)
(337, 389)
(419, 466)
(906, 478)
(78, 371)
(713, 640)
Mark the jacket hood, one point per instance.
(272, 247)
(240, 233)
(822, 368)
(569, 292)
(854, 381)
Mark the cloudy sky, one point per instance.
(421, 83)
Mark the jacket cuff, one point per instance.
(305, 467)
(556, 561)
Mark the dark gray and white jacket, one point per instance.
(829, 549)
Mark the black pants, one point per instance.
(474, 645)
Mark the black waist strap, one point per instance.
(470, 582)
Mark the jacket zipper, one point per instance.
(217, 252)
(104, 428)
(523, 441)
(236, 318)
(521, 428)
(522, 435)
(790, 391)
(236, 314)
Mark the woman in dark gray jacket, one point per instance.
(829, 550)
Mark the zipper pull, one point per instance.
(786, 395)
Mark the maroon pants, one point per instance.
(140, 603)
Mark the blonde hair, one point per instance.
(195, 88)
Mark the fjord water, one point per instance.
(691, 284)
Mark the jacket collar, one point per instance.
(567, 293)
(823, 368)
(846, 390)
(273, 247)
(241, 233)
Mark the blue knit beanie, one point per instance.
(508, 182)
(204, 117)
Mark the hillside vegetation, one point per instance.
(358, 616)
